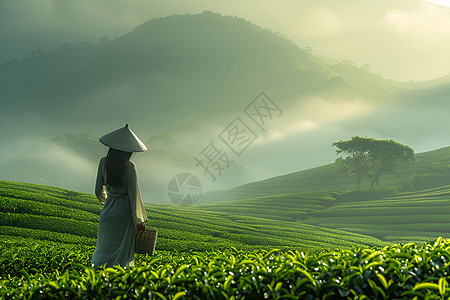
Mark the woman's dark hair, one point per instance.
(116, 161)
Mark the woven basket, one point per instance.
(146, 241)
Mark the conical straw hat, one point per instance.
(123, 139)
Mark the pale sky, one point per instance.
(445, 3)
(402, 39)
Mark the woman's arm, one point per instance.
(137, 206)
(100, 191)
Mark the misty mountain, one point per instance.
(182, 71)
(186, 77)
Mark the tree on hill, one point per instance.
(370, 158)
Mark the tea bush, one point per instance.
(32, 270)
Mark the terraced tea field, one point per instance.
(277, 247)
(322, 179)
(286, 207)
(64, 216)
(414, 216)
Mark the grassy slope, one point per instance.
(322, 179)
(59, 215)
(285, 207)
(419, 216)
(267, 221)
(413, 216)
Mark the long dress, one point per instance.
(123, 209)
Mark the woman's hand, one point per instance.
(140, 227)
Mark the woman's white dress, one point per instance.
(123, 209)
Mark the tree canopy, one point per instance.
(370, 158)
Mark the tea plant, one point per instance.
(35, 271)
(55, 214)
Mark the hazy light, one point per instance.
(315, 113)
(445, 3)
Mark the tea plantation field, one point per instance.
(414, 216)
(419, 216)
(430, 169)
(32, 269)
(307, 245)
(286, 207)
(59, 215)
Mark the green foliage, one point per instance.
(357, 165)
(285, 207)
(187, 228)
(55, 196)
(303, 221)
(18, 254)
(323, 179)
(62, 225)
(411, 216)
(426, 181)
(370, 158)
(59, 215)
(32, 269)
(46, 235)
(369, 194)
(22, 206)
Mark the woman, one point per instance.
(123, 207)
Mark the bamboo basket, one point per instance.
(146, 241)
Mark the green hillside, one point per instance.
(431, 169)
(182, 76)
(172, 72)
(186, 76)
(365, 79)
(414, 216)
(419, 216)
(59, 215)
(48, 238)
(285, 207)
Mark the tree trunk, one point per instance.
(374, 181)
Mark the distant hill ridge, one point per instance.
(435, 164)
(187, 75)
(207, 61)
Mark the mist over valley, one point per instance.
(179, 81)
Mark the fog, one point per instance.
(299, 138)
(403, 40)
(51, 118)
